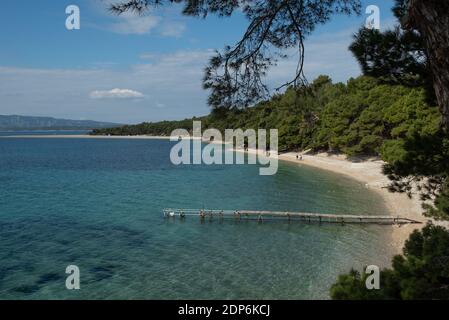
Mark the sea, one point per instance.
(97, 204)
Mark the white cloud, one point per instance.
(173, 29)
(191, 59)
(132, 24)
(148, 56)
(116, 94)
(171, 85)
(129, 23)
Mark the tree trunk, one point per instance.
(431, 19)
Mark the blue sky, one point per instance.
(131, 69)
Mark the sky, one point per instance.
(129, 69)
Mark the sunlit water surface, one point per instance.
(98, 204)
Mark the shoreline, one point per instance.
(365, 171)
(82, 136)
(369, 173)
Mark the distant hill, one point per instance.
(13, 122)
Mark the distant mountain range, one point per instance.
(13, 122)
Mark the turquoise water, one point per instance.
(97, 204)
(42, 132)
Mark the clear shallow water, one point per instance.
(97, 204)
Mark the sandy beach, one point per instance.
(369, 173)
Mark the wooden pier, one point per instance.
(260, 216)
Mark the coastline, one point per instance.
(82, 136)
(365, 171)
(369, 173)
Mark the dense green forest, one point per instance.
(360, 117)
(365, 116)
